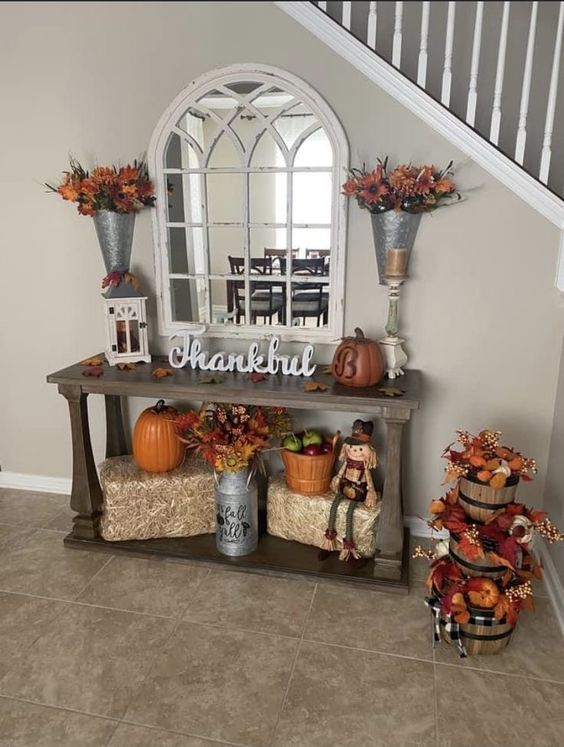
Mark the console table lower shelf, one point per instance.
(273, 556)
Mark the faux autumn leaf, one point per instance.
(97, 360)
(96, 371)
(327, 369)
(452, 495)
(391, 391)
(255, 377)
(315, 386)
(129, 277)
(469, 549)
(216, 378)
(126, 366)
(161, 373)
(509, 549)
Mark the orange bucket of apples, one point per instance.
(309, 459)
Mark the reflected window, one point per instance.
(249, 214)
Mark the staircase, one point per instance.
(485, 75)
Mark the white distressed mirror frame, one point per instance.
(337, 138)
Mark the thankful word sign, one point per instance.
(190, 353)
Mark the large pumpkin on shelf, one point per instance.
(156, 446)
(358, 361)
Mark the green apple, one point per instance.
(292, 443)
(312, 437)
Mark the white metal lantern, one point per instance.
(126, 325)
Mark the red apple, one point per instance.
(312, 450)
(326, 448)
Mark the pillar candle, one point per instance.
(396, 262)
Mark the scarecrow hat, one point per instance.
(361, 433)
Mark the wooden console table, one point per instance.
(387, 570)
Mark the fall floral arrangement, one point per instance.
(230, 436)
(413, 189)
(483, 459)
(501, 544)
(119, 189)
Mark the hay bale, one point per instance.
(144, 505)
(304, 518)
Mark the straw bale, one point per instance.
(145, 505)
(303, 518)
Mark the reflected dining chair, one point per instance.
(267, 298)
(310, 300)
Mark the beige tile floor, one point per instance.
(98, 650)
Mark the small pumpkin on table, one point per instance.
(358, 361)
(156, 446)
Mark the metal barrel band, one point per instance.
(473, 566)
(479, 637)
(481, 504)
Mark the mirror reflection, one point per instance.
(249, 181)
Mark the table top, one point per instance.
(285, 391)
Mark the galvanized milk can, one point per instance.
(236, 505)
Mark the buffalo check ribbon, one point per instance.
(449, 624)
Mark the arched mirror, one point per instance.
(250, 229)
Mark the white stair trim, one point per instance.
(432, 113)
(39, 483)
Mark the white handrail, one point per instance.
(423, 56)
(475, 66)
(372, 25)
(322, 4)
(396, 46)
(447, 67)
(551, 107)
(526, 90)
(500, 71)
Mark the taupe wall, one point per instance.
(480, 313)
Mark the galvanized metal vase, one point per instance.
(393, 230)
(115, 236)
(236, 504)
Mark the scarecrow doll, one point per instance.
(352, 483)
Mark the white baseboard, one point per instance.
(40, 483)
(553, 583)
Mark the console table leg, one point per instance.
(116, 444)
(86, 494)
(389, 534)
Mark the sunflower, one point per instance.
(373, 188)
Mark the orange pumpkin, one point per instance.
(358, 361)
(156, 446)
(482, 592)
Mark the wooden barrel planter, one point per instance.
(478, 638)
(480, 501)
(477, 567)
(308, 475)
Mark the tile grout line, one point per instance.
(293, 668)
(104, 565)
(84, 604)
(67, 709)
(177, 622)
(218, 740)
(501, 674)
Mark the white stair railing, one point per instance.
(495, 52)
